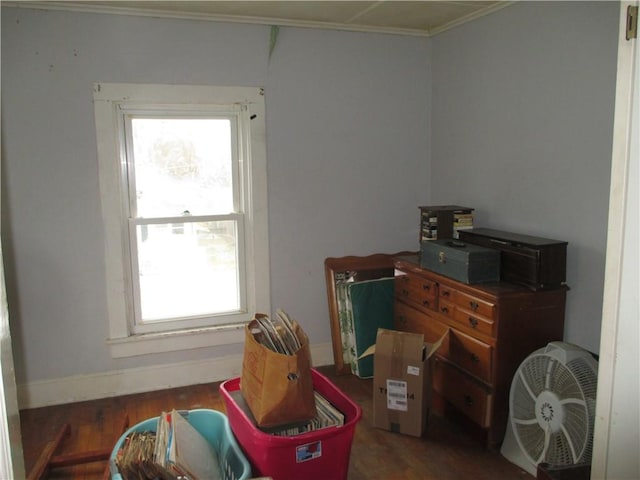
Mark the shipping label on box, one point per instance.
(401, 381)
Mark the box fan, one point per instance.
(552, 408)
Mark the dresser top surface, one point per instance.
(411, 263)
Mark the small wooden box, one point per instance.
(537, 263)
(444, 221)
(461, 261)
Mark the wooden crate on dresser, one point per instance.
(491, 327)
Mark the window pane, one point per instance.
(182, 165)
(187, 269)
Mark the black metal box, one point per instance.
(537, 263)
(461, 261)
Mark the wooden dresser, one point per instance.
(491, 328)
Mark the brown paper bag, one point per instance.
(278, 388)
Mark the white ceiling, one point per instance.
(423, 18)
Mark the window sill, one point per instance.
(146, 344)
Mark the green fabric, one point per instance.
(371, 308)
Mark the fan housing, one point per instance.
(552, 408)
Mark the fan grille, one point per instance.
(558, 430)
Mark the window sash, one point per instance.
(139, 325)
(239, 138)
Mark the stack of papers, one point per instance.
(175, 451)
(135, 459)
(277, 334)
(327, 415)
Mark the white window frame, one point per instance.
(240, 121)
(109, 98)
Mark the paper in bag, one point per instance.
(278, 388)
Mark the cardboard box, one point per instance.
(402, 381)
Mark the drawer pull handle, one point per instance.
(474, 305)
(473, 322)
(444, 310)
(405, 292)
(426, 287)
(468, 400)
(425, 303)
(475, 358)
(446, 293)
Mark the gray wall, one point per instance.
(522, 129)
(521, 103)
(347, 148)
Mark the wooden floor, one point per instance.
(446, 452)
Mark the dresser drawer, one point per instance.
(476, 305)
(446, 308)
(462, 392)
(419, 291)
(465, 318)
(468, 302)
(408, 319)
(473, 321)
(470, 354)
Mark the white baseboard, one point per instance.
(79, 388)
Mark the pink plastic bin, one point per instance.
(319, 455)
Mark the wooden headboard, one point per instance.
(361, 268)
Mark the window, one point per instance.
(183, 186)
